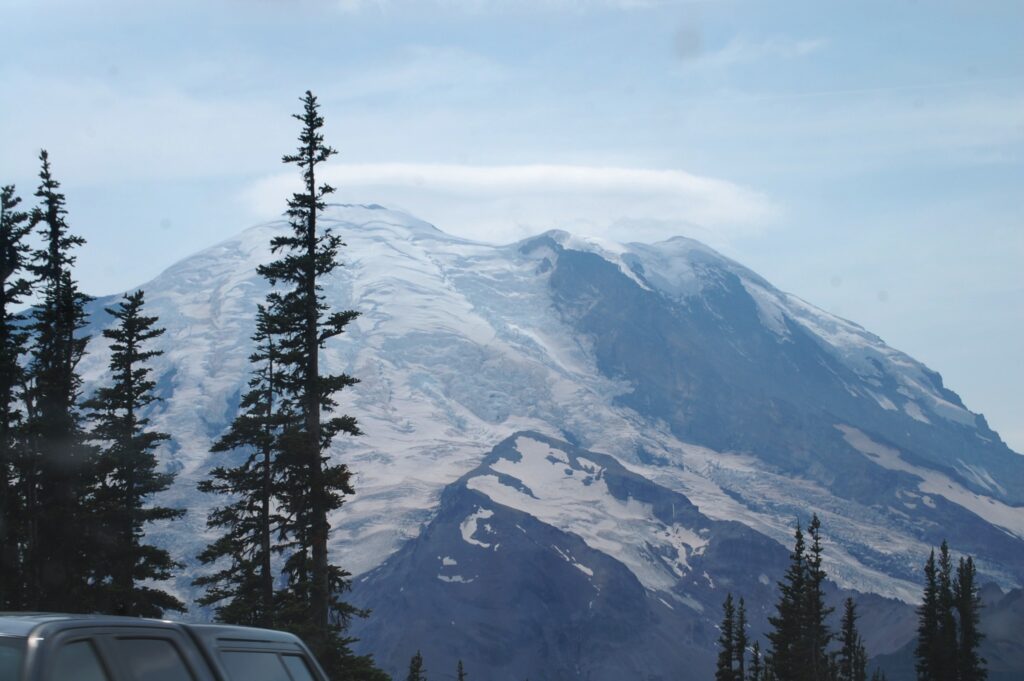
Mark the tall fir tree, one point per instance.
(756, 671)
(739, 641)
(726, 638)
(948, 631)
(57, 475)
(416, 670)
(14, 287)
(946, 663)
(970, 664)
(925, 652)
(816, 633)
(311, 485)
(243, 588)
(852, 657)
(787, 635)
(460, 672)
(127, 472)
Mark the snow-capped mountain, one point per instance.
(663, 413)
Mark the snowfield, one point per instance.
(459, 345)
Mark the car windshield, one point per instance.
(12, 652)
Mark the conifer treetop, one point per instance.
(14, 227)
(56, 256)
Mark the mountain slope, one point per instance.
(548, 561)
(692, 372)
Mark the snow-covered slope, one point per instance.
(549, 561)
(691, 371)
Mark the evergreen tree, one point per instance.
(244, 588)
(971, 665)
(945, 667)
(460, 673)
(14, 286)
(878, 675)
(57, 474)
(127, 472)
(852, 656)
(311, 485)
(925, 652)
(816, 634)
(756, 672)
(726, 638)
(787, 633)
(833, 666)
(416, 671)
(948, 633)
(739, 643)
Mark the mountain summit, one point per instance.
(566, 431)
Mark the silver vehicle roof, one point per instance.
(24, 623)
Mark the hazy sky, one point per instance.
(865, 156)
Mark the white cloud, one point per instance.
(506, 203)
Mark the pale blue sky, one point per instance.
(865, 156)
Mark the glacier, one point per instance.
(692, 374)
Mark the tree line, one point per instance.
(801, 646)
(79, 473)
(417, 672)
(76, 474)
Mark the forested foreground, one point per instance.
(804, 643)
(78, 474)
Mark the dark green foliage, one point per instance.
(127, 476)
(832, 673)
(945, 668)
(756, 671)
(726, 638)
(852, 658)
(948, 632)
(56, 475)
(787, 633)
(928, 623)
(416, 670)
(311, 486)
(282, 493)
(816, 633)
(971, 665)
(243, 589)
(800, 635)
(739, 641)
(14, 286)
(346, 666)
(732, 645)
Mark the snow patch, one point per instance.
(572, 561)
(914, 412)
(936, 484)
(456, 579)
(980, 476)
(607, 249)
(583, 505)
(471, 525)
